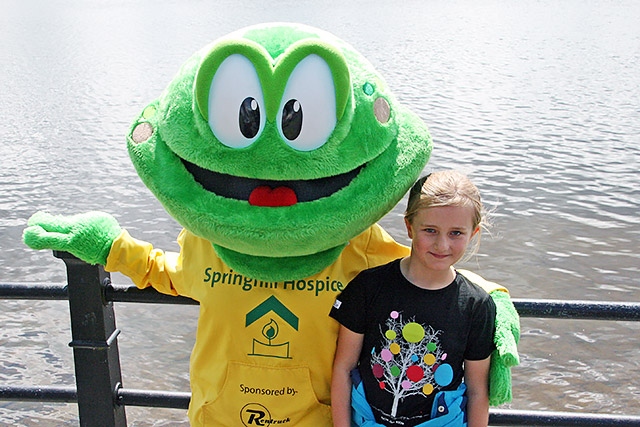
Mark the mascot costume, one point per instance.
(277, 148)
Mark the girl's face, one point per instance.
(440, 235)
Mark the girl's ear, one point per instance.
(409, 229)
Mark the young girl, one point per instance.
(419, 333)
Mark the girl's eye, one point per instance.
(456, 233)
(429, 230)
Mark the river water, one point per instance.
(537, 100)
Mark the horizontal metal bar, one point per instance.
(180, 400)
(596, 310)
(543, 308)
(576, 309)
(34, 291)
(130, 293)
(39, 394)
(155, 399)
(127, 397)
(509, 417)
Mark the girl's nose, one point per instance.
(441, 242)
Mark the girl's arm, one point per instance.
(476, 377)
(346, 359)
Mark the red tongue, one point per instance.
(265, 196)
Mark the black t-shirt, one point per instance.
(415, 340)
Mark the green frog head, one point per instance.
(278, 143)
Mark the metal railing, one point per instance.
(101, 397)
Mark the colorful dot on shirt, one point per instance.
(406, 384)
(378, 370)
(427, 389)
(444, 375)
(415, 373)
(394, 348)
(395, 370)
(386, 355)
(413, 332)
(394, 314)
(429, 359)
(390, 334)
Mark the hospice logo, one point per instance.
(254, 414)
(268, 345)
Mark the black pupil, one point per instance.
(292, 119)
(249, 118)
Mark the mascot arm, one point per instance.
(88, 236)
(97, 238)
(507, 335)
(146, 266)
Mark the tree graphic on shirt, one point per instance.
(410, 361)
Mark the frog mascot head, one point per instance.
(278, 144)
(277, 148)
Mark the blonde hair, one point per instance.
(447, 188)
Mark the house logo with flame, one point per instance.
(268, 345)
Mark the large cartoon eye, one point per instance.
(307, 113)
(236, 106)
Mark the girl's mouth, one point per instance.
(438, 256)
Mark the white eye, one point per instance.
(307, 114)
(236, 105)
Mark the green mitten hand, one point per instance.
(88, 236)
(505, 355)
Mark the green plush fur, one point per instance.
(88, 236)
(505, 356)
(381, 155)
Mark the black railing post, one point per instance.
(94, 343)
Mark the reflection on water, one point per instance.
(536, 100)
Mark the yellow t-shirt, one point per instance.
(264, 350)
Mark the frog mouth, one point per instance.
(269, 193)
